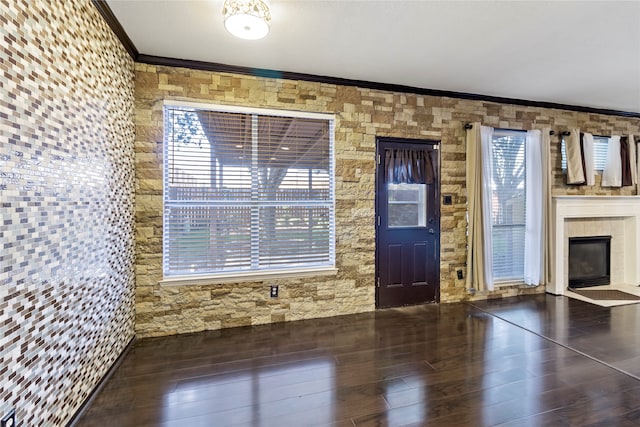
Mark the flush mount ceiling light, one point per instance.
(247, 19)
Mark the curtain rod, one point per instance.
(567, 133)
(468, 126)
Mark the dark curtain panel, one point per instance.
(408, 166)
(626, 162)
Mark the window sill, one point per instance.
(254, 276)
(508, 283)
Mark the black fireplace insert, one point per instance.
(589, 261)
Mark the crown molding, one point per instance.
(116, 27)
(288, 75)
(113, 22)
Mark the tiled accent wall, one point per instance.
(587, 227)
(362, 114)
(67, 195)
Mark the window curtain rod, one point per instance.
(567, 133)
(468, 126)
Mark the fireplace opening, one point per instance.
(589, 261)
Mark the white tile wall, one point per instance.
(613, 226)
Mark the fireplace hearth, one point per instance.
(589, 261)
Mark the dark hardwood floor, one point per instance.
(525, 361)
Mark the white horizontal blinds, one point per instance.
(293, 158)
(204, 227)
(294, 235)
(508, 204)
(200, 170)
(203, 238)
(600, 147)
(294, 186)
(246, 192)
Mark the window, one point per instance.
(600, 147)
(508, 204)
(407, 205)
(247, 191)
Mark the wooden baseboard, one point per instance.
(96, 390)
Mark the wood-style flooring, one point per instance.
(525, 361)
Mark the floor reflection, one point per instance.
(260, 396)
(415, 413)
(536, 360)
(608, 334)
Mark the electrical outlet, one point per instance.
(460, 275)
(9, 420)
(274, 291)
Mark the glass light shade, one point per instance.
(247, 19)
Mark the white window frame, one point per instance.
(420, 202)
(254, 275)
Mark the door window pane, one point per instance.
(407, 206)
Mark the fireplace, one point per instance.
(579, 216)
(589, 261)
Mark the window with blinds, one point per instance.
(508, 204)
(247, 191)
(600, 147)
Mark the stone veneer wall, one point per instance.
(362, 114)
(67, 195)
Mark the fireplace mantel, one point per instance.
(566, 208)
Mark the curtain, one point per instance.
(589, 161)
(535, 183)
(625, 158)
(633, 159)
(548, 246)
(612, 173)
(404, 166)
(635, 165)
(478, 171)
(486, 138)
(575, 171)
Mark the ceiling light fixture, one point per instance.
(247, 19)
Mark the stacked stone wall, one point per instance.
(361, 116)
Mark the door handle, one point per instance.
(431, 231)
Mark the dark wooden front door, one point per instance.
(408, 231)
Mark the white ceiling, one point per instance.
(580, 53)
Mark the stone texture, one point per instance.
(361, 116)
(66, 189)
